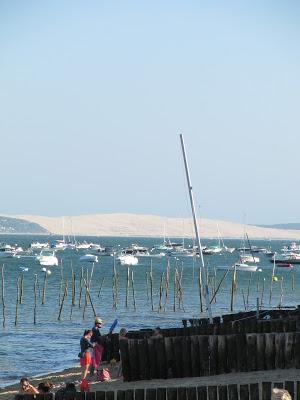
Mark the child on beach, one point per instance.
(85, 358)
(26, 387)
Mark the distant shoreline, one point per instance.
(296, 238)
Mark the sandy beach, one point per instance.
(73, 375)
(121, 224)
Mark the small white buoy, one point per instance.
(260, 270)
(44, 269)
(49, 272)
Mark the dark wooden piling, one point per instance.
(3, 296)
(17, 300)
(62, 301)
(35, 298)
(151, 285)
(200, 288)
(21, 288)
(233, 288)
(127, 287)
(133, 291)
(44, 287)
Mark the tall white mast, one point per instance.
(204, 273)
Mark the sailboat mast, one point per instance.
(202, 266)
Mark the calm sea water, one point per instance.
(51, 345)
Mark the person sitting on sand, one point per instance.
(26, 387)
(280, 394)
(85, 358)
(156, 333)
(45, 387)
(66, 393)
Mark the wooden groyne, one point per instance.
(204, 355)
(281, 321)
(252, 391)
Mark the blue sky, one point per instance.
(94, 95)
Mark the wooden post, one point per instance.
(101, 284)
(17, 301)
(220, 283)
(175, 289)
(281, 292)
(85, 295)
(262, 293)
(80, 291)
(61, 281)
(215, 283)
(160, 292)
(248, 290)
(89, 296)
(21, 288)
(62, 301)
(244, 300)
(233, 288)
(44, 288)
(272, 280)
(257, 282)
(180, 290)
(200, 288)
(3, 295)
(133, 291)
(127, 288)
(151, 286)
(147, 284)
(92, 273)
(35, 298)
(73, 289)
(167, 283)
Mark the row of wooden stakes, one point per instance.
(252, 391)
(191, 356)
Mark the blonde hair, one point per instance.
(280, 394)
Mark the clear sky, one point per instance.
(93, 96)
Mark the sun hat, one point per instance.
(98, 320)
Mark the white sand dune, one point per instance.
(152, 225)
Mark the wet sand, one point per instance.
(73, 375)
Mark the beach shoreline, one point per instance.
(59, 379)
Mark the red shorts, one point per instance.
(86, 359)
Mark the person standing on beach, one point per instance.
(85, 358)
(98, 341)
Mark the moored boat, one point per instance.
(47, 258)
(284, 265)
(288, 258)
(128, 260)
(88, 258)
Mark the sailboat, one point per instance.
(246, 257)
(165, 245)
(214, 249)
